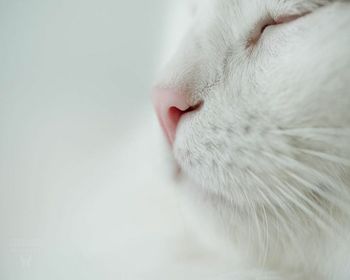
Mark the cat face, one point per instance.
(268, 84)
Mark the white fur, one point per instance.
(267, 157)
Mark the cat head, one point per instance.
(255, 104)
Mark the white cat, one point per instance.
(255, 104)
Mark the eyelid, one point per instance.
(269, 21)
(259, 29)
(288, 18)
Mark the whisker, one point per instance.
(294, 197)
(334, 199)
(305, 131)
(280, 218)
(325, 156)
(292, 163)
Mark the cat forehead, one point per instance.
(227, 20)
(236, 18)
(241, 8)
(229, 12)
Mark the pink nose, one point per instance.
(170, 105)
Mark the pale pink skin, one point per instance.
(170, 105)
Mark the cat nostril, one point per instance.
(171, 105)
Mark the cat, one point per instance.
(255, 106)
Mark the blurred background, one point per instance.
(76, 179)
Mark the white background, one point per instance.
(75, 78)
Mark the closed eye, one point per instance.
(259, 29)
(268, 22)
